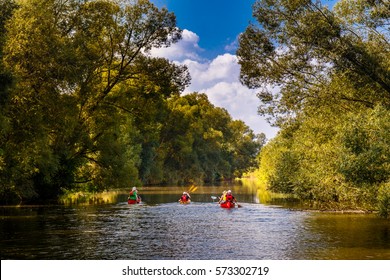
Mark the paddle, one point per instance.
(238, 205)
(192, 189)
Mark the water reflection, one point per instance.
(167, 194)
(161, 228)
(351, 236)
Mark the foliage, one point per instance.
(277, 164)
(207, 143)
(85, 108)
(324, 79)
(331, 163)
(365, 158)
(301, 46)
(160, 80)
(384, 200)
(69, 59)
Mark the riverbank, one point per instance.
(292, 201)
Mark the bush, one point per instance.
(384, 200)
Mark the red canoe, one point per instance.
(228, 204)
(134, 201)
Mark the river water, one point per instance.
(161, 228)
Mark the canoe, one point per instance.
(185, 202)
(134, 201)
(227, 204)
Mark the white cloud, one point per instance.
(186, 48)
(207, 74)
(241, 103)
(232, 46)
(219, 79)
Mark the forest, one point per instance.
(323, 77)
(84, 107)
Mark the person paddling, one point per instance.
(222, 199)
(230, 197)
(133, 196)
(185, 198)
(229, 201)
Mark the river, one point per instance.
(161, 228)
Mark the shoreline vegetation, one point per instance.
(323, 78)
(266, 197)
(81, 198)
(83, 106)
(294, 203)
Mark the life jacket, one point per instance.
(222, 199)
(133, 195)
(184, 197)
(229, 197)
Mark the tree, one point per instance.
(324, 78)
(365, 138)
(70, 59)
(205, 143)
(301, 47)
(146, 99)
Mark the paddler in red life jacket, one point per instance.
(185, 197)
(230, 197)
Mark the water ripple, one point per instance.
(199, 230)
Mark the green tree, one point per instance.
(365, 139)
(146, 100)
(7, 8)
(301, 46)
(205, 145)
(70, 59)
(242, 147)
(324, 79)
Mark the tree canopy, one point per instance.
(323, 77)
(84, 107)
(299, 49)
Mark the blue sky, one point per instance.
(210, 32)
(217, 22)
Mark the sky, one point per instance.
(210, 32)
(216, 22)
